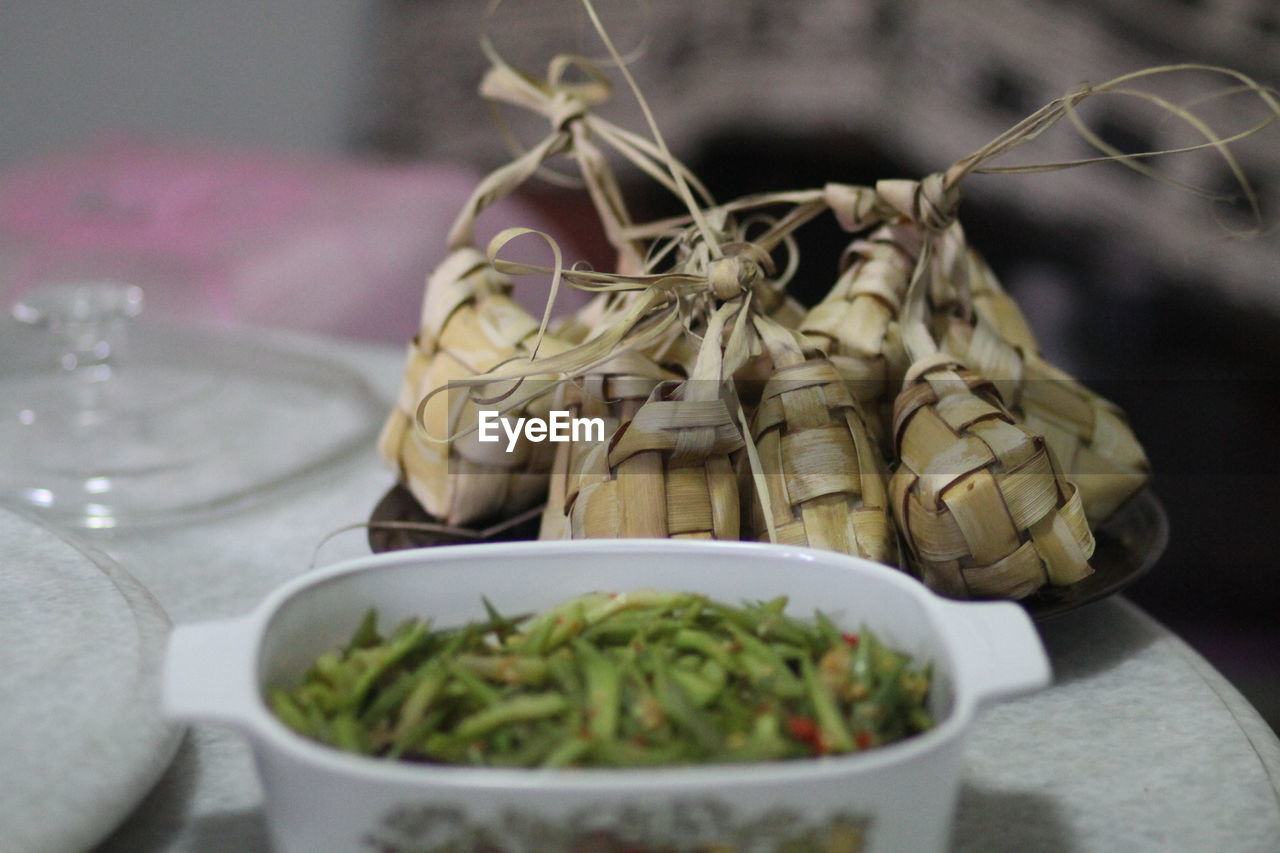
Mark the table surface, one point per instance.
(1138, 746)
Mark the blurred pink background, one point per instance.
(218, 232)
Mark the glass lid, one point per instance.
(108, 421)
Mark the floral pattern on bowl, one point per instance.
(703, 825)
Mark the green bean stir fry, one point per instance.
(613, 680)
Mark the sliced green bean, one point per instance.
(835, 736)
(640, 678)
(367, 632)
(603, 684)
(518, 708)
(429, 681)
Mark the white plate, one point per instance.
(81, 736)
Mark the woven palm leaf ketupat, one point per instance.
(469, 325)
(613, 392)
(992, 303)
(820, 468)
(856, 325)
(980, 503)
(668, 473)
(784, 422)
(781, 307)
(476, 351)
(1089, 436)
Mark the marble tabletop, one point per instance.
(1139, 745)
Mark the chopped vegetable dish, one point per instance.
(615, 680)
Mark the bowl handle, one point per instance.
(208, 672)
(997, 648)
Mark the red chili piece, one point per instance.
(806, 730)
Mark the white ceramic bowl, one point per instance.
(901, 796)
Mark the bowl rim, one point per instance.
(263, 725)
